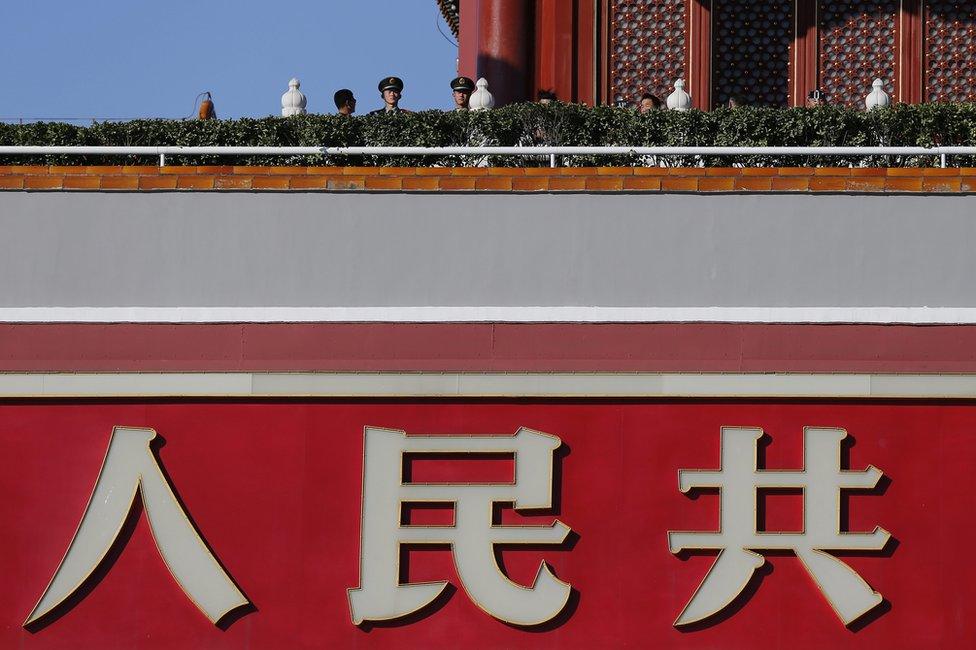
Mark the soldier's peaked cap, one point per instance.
(463, 84)
(391, 83)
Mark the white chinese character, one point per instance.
(130, 466)
(822, 481)
(473, 536)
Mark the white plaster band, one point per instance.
(487, 385)
(784, 315)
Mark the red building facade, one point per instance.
(201, 369)
(764, 52)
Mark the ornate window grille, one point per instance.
(751, 46)
(858, 44)
(924, 50)
(950, 51)
(647, 43)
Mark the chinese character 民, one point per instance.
(473, 536)
(821, 480)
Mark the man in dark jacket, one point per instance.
(345, 101)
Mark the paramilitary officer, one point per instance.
(462, 87)
(390, 89)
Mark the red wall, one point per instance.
(275, 489)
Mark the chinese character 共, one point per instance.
(739, 480)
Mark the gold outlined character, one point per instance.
(473, 535)
(740, 481)
(130, 467)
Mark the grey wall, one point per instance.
(62, 249)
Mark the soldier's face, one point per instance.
(391, 97)
(461, 98)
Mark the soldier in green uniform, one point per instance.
(391, 88)
(462, 87)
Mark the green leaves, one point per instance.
(557, 124)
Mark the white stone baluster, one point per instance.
(679, 100)
(877, 98)
(481, 99)
(293, 102)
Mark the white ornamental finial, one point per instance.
(481, 99)
(878, 98)
(293, 102)
(679, 100)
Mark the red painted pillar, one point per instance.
(805, 66)
(910, 83)
(468, 38)
(555, 47)
(699, 82)
(505, 47)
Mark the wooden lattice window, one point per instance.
(950, 51)
(751, 45)
(647, 41)
(858, 44)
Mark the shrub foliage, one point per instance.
(528, 124)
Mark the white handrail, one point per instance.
(552, 152)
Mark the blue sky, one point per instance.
(132, 58)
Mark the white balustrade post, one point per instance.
(481, 99)
(679, 100)
(293, 102)
(877, 98)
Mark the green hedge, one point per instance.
(526, 124)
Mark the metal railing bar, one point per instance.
(941, 153)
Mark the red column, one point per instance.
(805, 67)
(587, 59)
(565, 49)
(554, 56)
(468, 38)
(505, 42)
(699, 62)
(910, 82)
